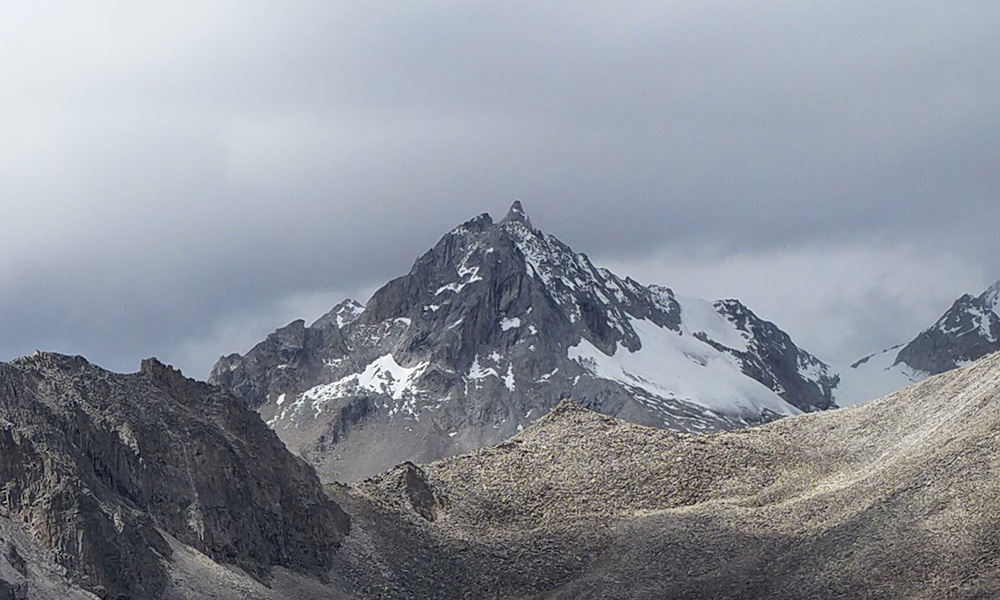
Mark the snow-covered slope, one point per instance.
(677, 365)
(967, 331)
(874, 376)
(489, 330)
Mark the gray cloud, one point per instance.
(172, 177)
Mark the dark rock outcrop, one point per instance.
(969, 330)
(422, 497)
(102, 466)
(13, 591)
(774, 360)
(966, 332)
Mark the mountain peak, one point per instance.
(488, 331)
(991, 296)
(516, 215)
(967, 331)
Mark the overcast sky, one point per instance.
(180, 178)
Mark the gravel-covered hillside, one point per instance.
(892, 499)
(155, 486)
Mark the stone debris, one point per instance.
(892, 499)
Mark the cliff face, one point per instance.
(100, 467)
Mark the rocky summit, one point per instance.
(969, 330)
(489, 330)
(966, 332)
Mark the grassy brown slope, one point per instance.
(898, 498)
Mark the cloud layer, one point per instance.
(180, 179)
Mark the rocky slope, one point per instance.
(107, 479)
(155, 486)
(488, 331)
(967, 331)
(890, 499)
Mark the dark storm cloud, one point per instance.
(175, 176)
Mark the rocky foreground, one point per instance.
(110, 483)
(155, 486)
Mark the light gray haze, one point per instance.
(180, 178)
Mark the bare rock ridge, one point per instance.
(894, 499)
(488, 331)
(108, 473)
(967, 331)
(516, 215)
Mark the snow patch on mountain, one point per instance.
(508, 379)
(478, 372)
(677, 366)
(875, 376)
(382, 376)
(467, 275)
(508, 323)
(702, 316)
(351, 310)
(811, 369)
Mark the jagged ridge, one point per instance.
(966, 332)
(969, 330)
(488, 331)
